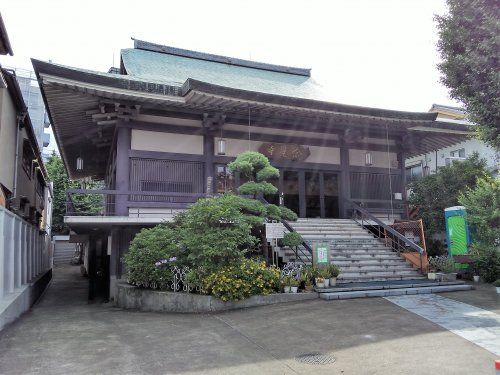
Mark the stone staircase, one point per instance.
(361, 256)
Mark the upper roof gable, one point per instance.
(175, 66)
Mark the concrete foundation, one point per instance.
(130, 297)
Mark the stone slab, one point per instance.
(479, 326)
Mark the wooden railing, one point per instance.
(116, 203)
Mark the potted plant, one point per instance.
(324, 273)
(320, 282)
(497, 285)
(448, 267)
(287, 284)
(294, 285)
(334, 272)
(305, 281)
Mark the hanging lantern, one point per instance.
(221, 146)
(79, 163)
(368, 159)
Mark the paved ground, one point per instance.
(65, 335)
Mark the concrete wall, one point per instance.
(166, 142)
(25, 256)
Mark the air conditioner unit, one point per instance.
(450, 159)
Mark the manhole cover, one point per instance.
(315, 359)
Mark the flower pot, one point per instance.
(333, 281)
(286, 289)
(498, 289)
(293, 289)
(439, 276)
(432, 275)
(476, 278)
(320, 283)
(450, 276)
(327, 283)
(308, 288)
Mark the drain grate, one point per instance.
(315, 359)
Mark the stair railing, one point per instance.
(397, 242)
(306, 246)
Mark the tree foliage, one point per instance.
(88, 204)
(257, 169)
(483, 214)
(469, 46)
(433, 193)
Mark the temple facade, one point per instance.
(161, 131)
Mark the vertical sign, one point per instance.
(321, 253)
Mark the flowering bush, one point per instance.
(242, 280)
(150, 256)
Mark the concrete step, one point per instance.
(378, 272)
(393, 292)
(370, 278)
(362, 257)
(386, 285)
(376, 268)
(327, 237)
(364, 263)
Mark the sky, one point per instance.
(376, 53)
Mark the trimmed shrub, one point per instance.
(151, 253)
(242, 280)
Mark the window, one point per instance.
(458, 153)
(224, 178)
(27, 158)
(413, 172)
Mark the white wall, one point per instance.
(471, 146)
(24, 255)
(166, 142)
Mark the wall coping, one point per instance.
(132, 297)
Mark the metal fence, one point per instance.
(24, 253)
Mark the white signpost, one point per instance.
(273, 232)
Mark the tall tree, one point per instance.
(432, 194)
(469, 46)
(85, 204)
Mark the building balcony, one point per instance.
(92, 207)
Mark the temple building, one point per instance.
(161, 133)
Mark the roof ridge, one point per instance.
(153, 47)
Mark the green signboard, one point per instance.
(321, 254)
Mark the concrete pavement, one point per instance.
(65, 335)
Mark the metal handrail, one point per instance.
(396, 238)
(290, 229)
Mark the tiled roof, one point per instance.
(175, 69)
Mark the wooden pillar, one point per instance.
(122, 170)
(208, 156)
(114, 258)
(345, 180)
(322, 194)
(401, 162)
(302, 194)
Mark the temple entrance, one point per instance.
(312, 194)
